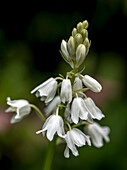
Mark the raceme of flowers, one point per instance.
(67, 105)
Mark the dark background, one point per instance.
(30, 38)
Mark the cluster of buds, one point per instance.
(67, 105)
(75, 50)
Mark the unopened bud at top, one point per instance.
(84, 33)
(86, 42)
(79, 27)
(87, 45)
(74, 32)
(76, 49)
(71, 46)
(78, 39)
(80, 54)
(85, 24)
(92, 84)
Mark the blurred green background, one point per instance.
(30, 37)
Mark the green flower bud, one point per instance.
(71, 46)
(78, 39)
(87, 45)
(79, 27)
(84, 33)
(74, 32)
(80, 54)
(85, 24)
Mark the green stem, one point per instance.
(39, 113)
(80, 124)
(50, 154)
(84, 89)
(73, 76)
(68, 124)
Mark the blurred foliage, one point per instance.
(29, 54)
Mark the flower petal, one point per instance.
(94, 111)
(52, 105)
(17, 103)
(75, 111)
(23, 111)
(51, 132)
(66, 152)
(42, 85)
(60, 129)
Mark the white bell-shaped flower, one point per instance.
(21, 107)
(53, 124)
(75, 137)
(52, 105)
(97, 133)
(66, 91)
(92, 84)
(46, 90)
(93, 111)
(78, 110)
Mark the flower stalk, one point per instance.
(39, 113)
(49, 155)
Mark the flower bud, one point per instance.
(78, 39)
(74, 32)
(71, 46)
(87, 45)
(84, 33)
(86, 42)
(79, 27)
(65, 53)
(80, 54)
(64, 50)
(77, 83)
(92, 84)
(85, 24)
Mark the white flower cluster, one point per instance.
(68, 107)
(71, 108)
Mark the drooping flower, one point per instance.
(46, 90)
(66, 91)
(78, 110)
(53, 124)
(93, 111)
(92, 84)
(97, 133)
(75, 137)
(52, 105)
(21, 107)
